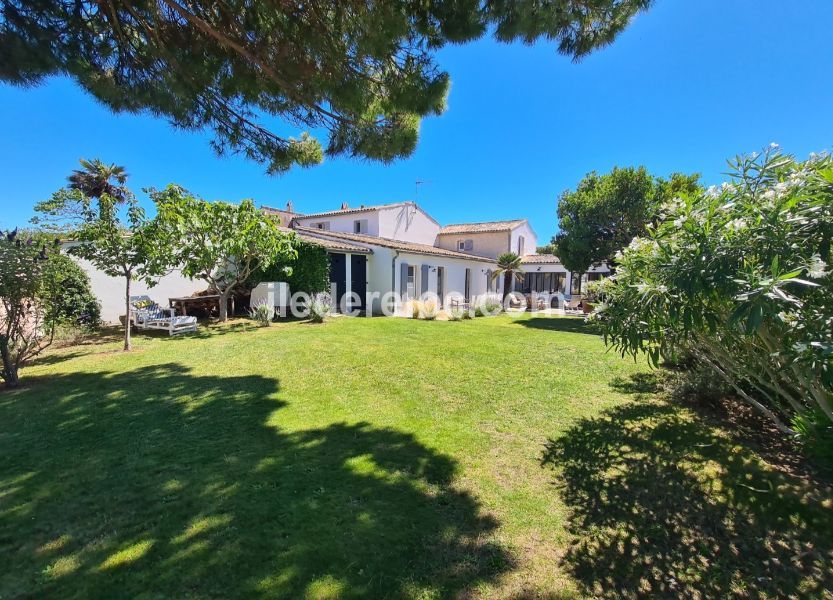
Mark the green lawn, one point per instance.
(386, 458)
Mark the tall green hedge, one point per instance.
(309, 272)
(75, 303)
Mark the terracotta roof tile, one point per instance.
(540, 259)
(393, 244)
(487, 227)
(334, 245)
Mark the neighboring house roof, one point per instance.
(392, 244)
(486, 227)
(540, 259)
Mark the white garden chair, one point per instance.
(147, 314)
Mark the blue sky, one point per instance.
(688, 85)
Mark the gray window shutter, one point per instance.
(488, 280)
(468, 245)
(423, 280)
(403, 279)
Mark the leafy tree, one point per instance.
(110, 231)
(548, 249)
(606, 212)
(508, 267)
(223, 244)
(739, 277)
(27, 291)
(364, 72)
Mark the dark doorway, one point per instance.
(358, 279)
(338, 276)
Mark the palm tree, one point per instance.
(97, 179)
(508, 265)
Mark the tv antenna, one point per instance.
(418, 183)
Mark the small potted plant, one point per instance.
(591, 297)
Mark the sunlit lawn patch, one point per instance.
(384, 457)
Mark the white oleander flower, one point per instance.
(817, 268)
(736, 225)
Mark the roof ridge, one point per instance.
(484, 222)
(355, 209)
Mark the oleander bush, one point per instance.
(737, 277)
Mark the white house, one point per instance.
(398, 249)
(409, 253)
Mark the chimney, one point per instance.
(343, 206)
(289, 206)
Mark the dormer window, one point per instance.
(465, 245)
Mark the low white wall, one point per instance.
(110, 290)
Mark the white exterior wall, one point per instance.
(407, 223)
(110, 290)
(530, 239)
(455, 274)
(345, 223)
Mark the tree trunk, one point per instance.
(9, 367)
(507, 283)
(224, 306)
(127, 312)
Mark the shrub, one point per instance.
(320, 307)
(414, 308)
(262, 313)
(458, 314)
(28, 288)
(430, 310)
(74, 303)
(488, 306)
(738, 275)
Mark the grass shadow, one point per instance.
(663, 504)
(162, 483)
(641, 384)
(558, 323)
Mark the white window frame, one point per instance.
(411, 283)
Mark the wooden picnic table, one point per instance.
(183, 302)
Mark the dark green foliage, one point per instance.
(738, 277)
(74, 303)
(363, 72)
(606, 212)
(234, 240)
(309, 272)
